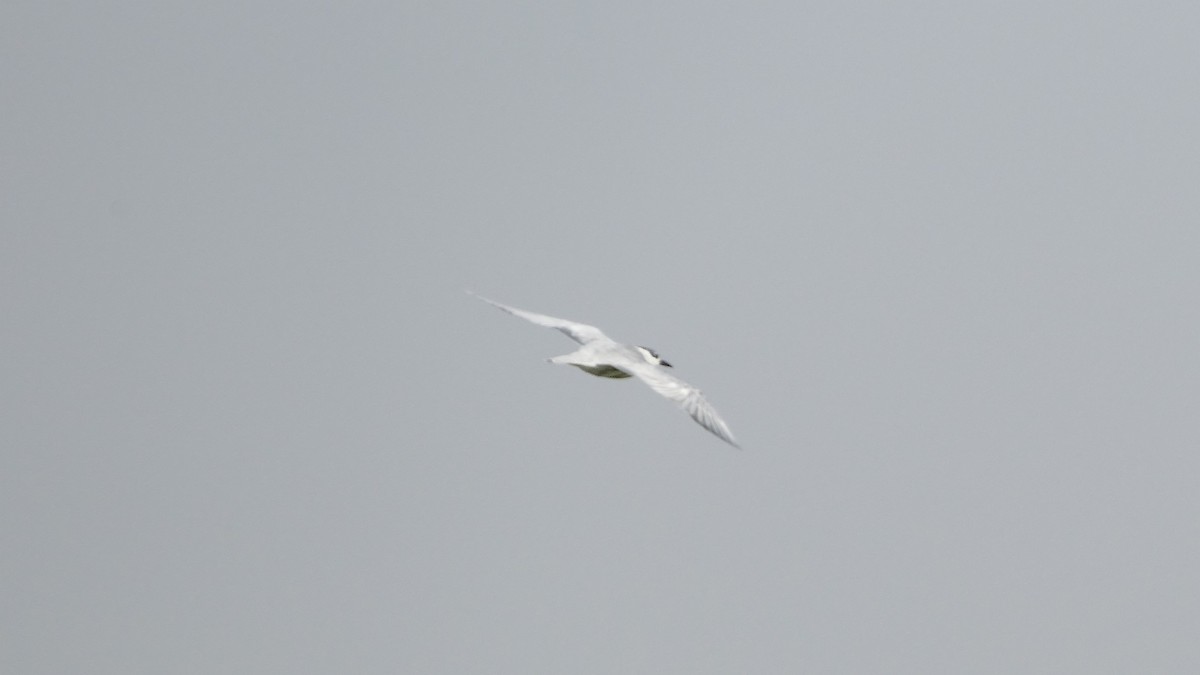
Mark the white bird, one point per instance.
(602, 356)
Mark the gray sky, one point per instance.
(936, 264)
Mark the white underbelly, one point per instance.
(603, 370)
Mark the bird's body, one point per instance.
(602, 356)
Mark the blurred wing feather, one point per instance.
(688, 397)
(579, 332)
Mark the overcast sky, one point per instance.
(937, 265)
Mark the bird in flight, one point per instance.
(602, 356)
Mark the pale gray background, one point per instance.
(937, 264)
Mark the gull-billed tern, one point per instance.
(602, 356)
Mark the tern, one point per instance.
(602, 356)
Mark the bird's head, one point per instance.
(653, 357)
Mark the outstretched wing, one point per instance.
(688, 397)
(579, 332)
